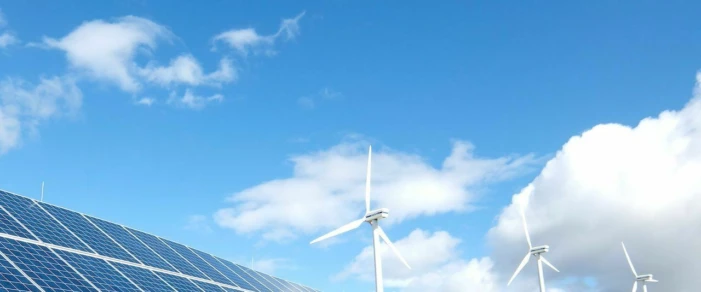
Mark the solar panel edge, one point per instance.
(197, 252)
(124, 227)
(110, 237)
(226, 266)
(256, 276)
(21, 271)
(173, 246)
(164, 241)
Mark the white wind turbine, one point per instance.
(638, 278)
(373, 218)
(537, 252)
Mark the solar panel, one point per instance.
(43, 266)
(238, 279)
(10, 226)
(39, 222)
(179, 283)
(49, 248)
(86, 231)
(98, 271)
(11, 279)
(198, 262)
(167, 253)
(133, 245)
(147, 280)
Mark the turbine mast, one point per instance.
(378, 259)
(541, 281)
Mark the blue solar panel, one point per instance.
(12, 280)
(147, 280)
(168, 254)
(39, 222)
(98, 272)
(179, 283)
(209, 287)
(198, 262)
(88, 233)
(255, 279)
(238, 279)
(272, 280)
(10, 226)
(298, 286)
(133, 245)
(43, 266)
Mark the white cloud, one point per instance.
(23, 106)
(147, 101)
(435, 261)
(614, 183)
(186, 70)
(106, 50)
(306, 102)
(198, 223)
(330, 184)
(248, 40)
(6, 38)
(193, 101)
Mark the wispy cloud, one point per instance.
(192, 101)
(6, 38)
(247, 40)
(324, 94)
(306, 102)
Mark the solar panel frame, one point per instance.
(131, 243)
(89, 233)
(208, 287)
(179, 283)
(272, 285)
(44, 267)
(39, 222)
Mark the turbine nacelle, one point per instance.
(645, 278)
(377, 214)
(539, 249)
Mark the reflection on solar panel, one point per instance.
(44, 247)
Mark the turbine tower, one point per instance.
(372, 217)
(537, 252)
(638, 278)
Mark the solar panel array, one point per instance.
(48, 248)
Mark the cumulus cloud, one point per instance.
(23, 106)
(186, 70)
(330, 184)
(6, 38)
(615, 183)
(106, 50)
(435, 261)
(248, 40)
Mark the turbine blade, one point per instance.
(525, 228)
(549, 264)
(367, 181)
(629, 262)
(635, 286)
(394, 249)
(345, 228)
(520, 267)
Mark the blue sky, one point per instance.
(278, 102)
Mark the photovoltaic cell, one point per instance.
(195, 260)
(43, 266)
(298, 286)
(209, 287)
(287, 284)
(98, 272)
(10, 226)
(272, 279)
(260, 284)
(256, 279)
(135, 247)
(168, 254)
(179, 283)
(39, 222)
(147, 280)
(12, 280)
(238, 279)
(88, 233)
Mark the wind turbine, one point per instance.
(537, 252)
(638, 278)
(372, 217)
